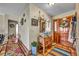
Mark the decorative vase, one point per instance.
(34, 51)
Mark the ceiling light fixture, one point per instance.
(50, 4)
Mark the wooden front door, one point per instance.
(56, 31)
(61, 32)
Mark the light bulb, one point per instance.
(50, 4)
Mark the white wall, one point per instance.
(34, 30)
(24, 29)
(4, 26)
(1, 24)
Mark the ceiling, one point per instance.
(57, 8)
(12, 8)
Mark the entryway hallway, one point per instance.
(30, 29)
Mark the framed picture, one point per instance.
(22, 21)
(34, 22)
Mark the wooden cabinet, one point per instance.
(44, 44)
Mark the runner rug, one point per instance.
(59, 52)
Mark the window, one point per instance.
(16, 30)
(55, 26)
(48, 26)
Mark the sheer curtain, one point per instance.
(48, 26)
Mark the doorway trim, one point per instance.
(9, 20)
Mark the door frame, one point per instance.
(9, 20)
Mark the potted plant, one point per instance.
(34, 48)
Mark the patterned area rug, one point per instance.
(62, 50)
(59, 52)
(11, 49)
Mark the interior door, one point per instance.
(12, 28)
